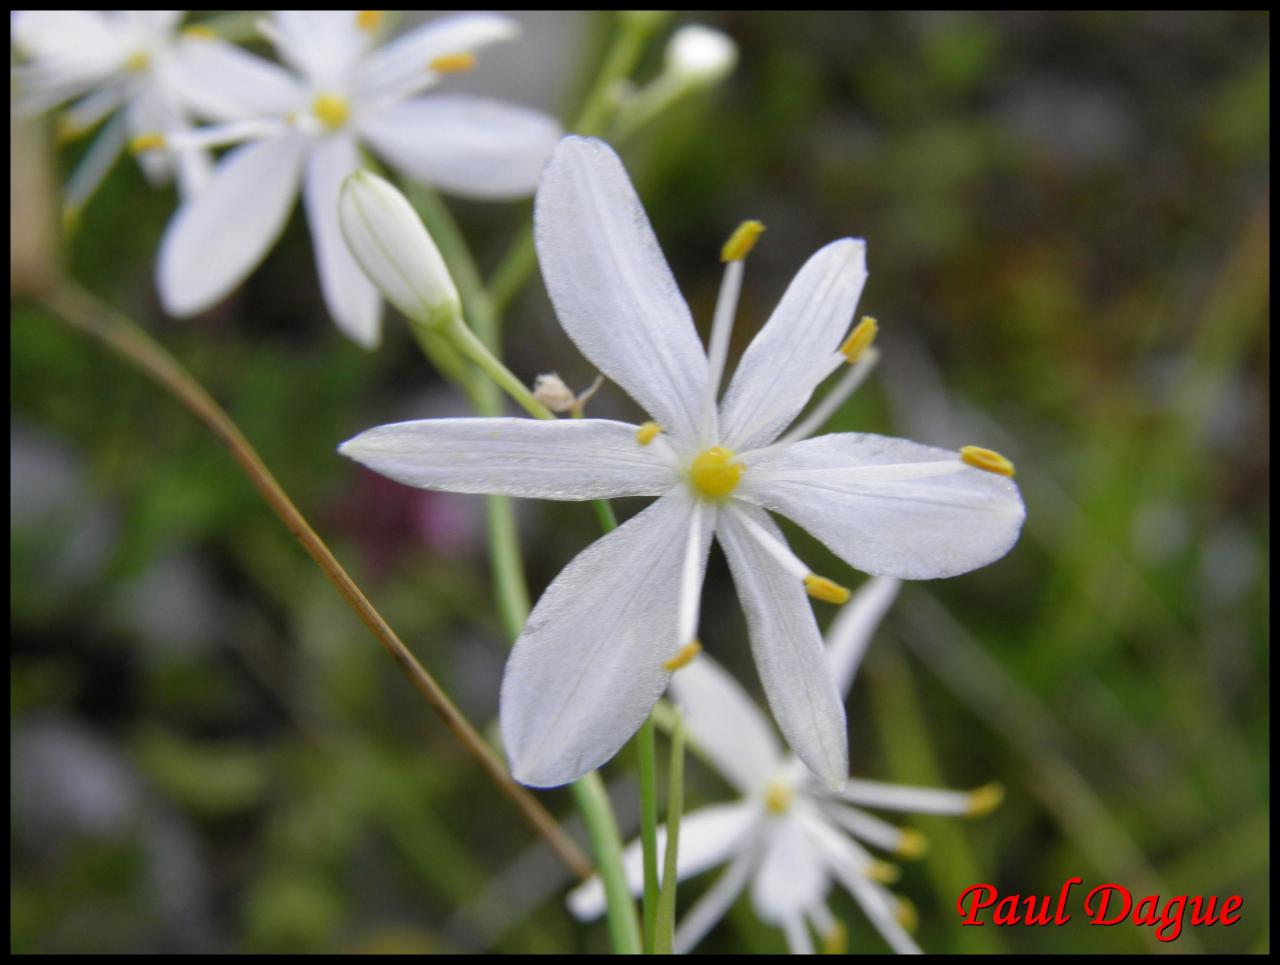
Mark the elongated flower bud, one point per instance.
(393, 247)
(700, 56)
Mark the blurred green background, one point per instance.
(1068, 227)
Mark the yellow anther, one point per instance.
(151, 141)
(684, 656)
(647, 433)
(988, 460)
(820, 588)
(906, 914)
(453, 63)
(137, 62)
(714, 474)
(860, 339)
(884, 872)
(836, 941)
(332, 110)
(741, 241)
(912, 844)
(777, 798)
(984, 800)
(200, 32)
(369, 20)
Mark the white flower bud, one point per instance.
(389, 241)
(550, 390)
(700, 55)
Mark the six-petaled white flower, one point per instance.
(787, 837)
(598, 649)
(307, 125)
(125, 63)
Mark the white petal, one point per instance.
(854, 626)
(217, 238)
(889, 506)
(222, 82)
(469, 146)
(322, 44)
(542, 459)
(787, 647)
(612, 289)
(352, 299)
(715, 902)
(904, 797)
(403, 66)
(791, 877)
(587, 668)
(724, 721)
(789, 357)
(707, 837)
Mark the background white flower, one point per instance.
(599, 647)
(119, 66)
(787, 837)
(305, 126)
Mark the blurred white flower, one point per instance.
(788, 837)
(599, 648)
(119, 64)
(304, 126)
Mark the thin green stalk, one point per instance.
(630, 37)
(606, 843)
(665, 924)
(468, 343)
(647, 757)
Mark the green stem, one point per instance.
(647, 757)
(665, 923)
(602, 830)
(468, 343)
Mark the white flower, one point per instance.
(597, 650)
(124, 63)
(305, 127)
(788, 837)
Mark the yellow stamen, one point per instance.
(777, 798)
(369, 20)
(836, 941)
(151, 141)
(714, 474)
(684, 656)
(820, 588)
(912, 844)
(741, 241)
(860, 339)
(906, 914)
(984, 800)
(647, 433)
(884, 872)
(332, 110)
(453, 63)
(137, 62)
(988, 460)
(200, 32)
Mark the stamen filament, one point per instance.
(774, 547)
(718, 346)
(850, 381)
(690, 583)
(922, 800)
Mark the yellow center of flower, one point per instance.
(714, 474)
(137, 62)
(777, 798)
(332, 110)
